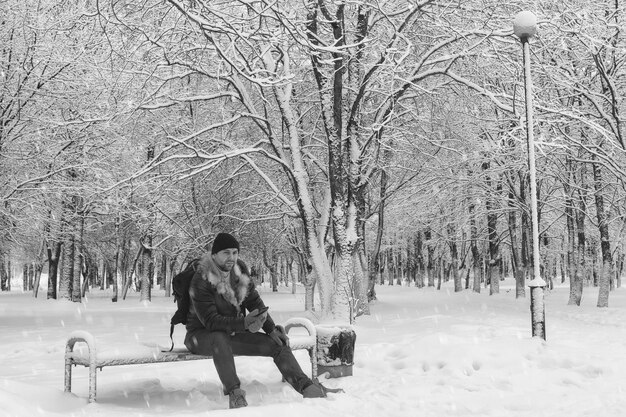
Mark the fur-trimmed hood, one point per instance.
(235, 288)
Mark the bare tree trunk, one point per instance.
(77, 265)
(5, 283)
(54, 255)
(375, 255)
(440, 272)
(147, 270)
(575, 283)
(273, 268)
(605, 242)
(430, 248)
(64, 291)
(117, 282)
(580, 270)
(90, 272)
(397, 262)
(309, 288)
(478, 274)
(69, 247)
(271, 264)
(360, 272)
(101, 275)
(494, 243)
(9, 273)
(161, 270)
(619, 268)
(31, 276)
(494, 253)
(25, 286)
(291, 274)
(454, 258)
(281, 270)
(518, 270)
(420, 280)
(38, 267)
(133, 271)
(343, 297)
(307, 277)
(389, 265)
(108, 275)
(171, 266)
(476, 261)
(562, 265)
(87, 271)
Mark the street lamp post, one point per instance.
(524, 27)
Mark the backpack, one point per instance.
(180, 290)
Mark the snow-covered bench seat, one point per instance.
(81, 349)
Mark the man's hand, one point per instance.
(280, 336)
(253, 322)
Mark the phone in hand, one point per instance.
(262, 310)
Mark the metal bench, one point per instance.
(89, 354)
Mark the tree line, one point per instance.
(352, 143)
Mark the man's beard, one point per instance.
(225, 267)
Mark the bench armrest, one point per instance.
(85, 337)
(301, 322)
(304, 342)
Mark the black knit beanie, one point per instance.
(224, 241)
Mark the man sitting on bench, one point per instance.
(225, 319)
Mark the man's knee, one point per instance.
(281, 350)
(271, 348)
(198, 343)
(220, 342)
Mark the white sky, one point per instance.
(422, 353)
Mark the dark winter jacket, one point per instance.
(219, 305)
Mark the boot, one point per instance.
(314, 390)
(237, 398)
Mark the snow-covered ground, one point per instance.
(422, 353)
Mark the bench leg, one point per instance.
(92, 383)
(313, 356)
(68, 375)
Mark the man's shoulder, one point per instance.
(205, 264)
(198, 281)
(243, 267)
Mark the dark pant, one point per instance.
(223, 346)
